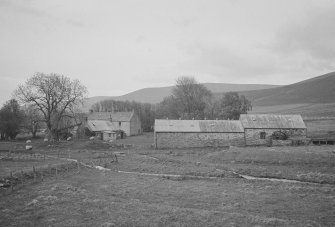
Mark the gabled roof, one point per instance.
(99, 125)
(272, 121)
(198, 126)
(116, 116)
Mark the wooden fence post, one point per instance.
(11, 180)
(34, 173)
(22, 177)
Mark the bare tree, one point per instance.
(56, 96)
(32, 119)
(191, 98)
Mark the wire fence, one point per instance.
(37, 174)
(44, 165)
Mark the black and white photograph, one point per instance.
(167, 113)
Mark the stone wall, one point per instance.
(252, 136)
(194, 139)
(282, 142)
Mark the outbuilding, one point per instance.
(103, 129)
(198, 133)
(260, 129)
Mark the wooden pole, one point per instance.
(11, 180)
(22, 177)
(34, 173)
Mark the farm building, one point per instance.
(198, 133)
(102, 129)
(249, 130)
(127, 123)
(259, 129)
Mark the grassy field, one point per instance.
(320, 128)
(207, 192)
(94, 198)
(305, 109)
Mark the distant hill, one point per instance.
(307, 110)
(157, 94)
(319, 89)
(88, 102)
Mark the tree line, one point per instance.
(52, 101)
(192, 100)
(189, 100)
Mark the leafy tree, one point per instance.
(231, 106)
(245, 104)
(11, 117)
(56, 96)
(167, 108)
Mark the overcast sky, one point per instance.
(115, 47)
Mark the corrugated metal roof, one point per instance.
(99, 125)
(116, 116)
(198, 126)
(271, 121)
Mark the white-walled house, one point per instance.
(128, 123)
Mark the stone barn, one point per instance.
(198, 133)
(261, 129)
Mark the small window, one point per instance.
(262, 135)
(119, 123)
(109, 134)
